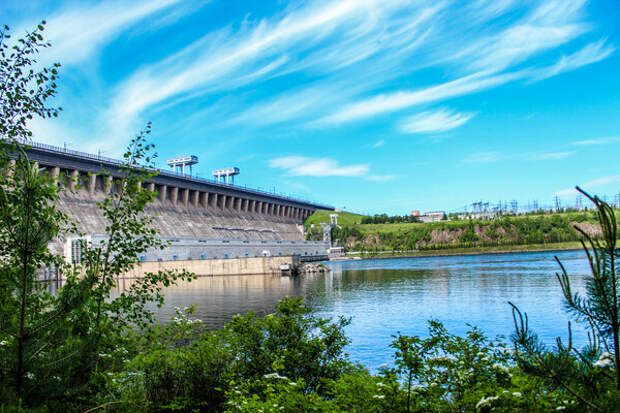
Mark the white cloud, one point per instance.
(597, 141)
(379, 143)
(549, 25)
(305, 166)
(381, 178)
(545, 27)
(483, 157)
(391, 102)
(440, 120)
(589, 54)
(552, 155)
(590, 185)
(494, 156)
(77, 33)
(345, 54)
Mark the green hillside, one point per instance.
(344, 218)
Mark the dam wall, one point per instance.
(186, 206)
(214, 267)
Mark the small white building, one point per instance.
(434, 216)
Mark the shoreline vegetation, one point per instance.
(501, 249)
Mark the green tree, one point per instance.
(590, 375)
(54, 347)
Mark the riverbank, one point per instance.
(546, 232)
(502, 249)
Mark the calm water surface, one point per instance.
(387, 296)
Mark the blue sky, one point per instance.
(373, 105)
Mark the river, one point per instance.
(386, 296)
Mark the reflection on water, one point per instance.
(387, 296)
(219, 298)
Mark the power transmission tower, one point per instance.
(514, 206)
(557, 203)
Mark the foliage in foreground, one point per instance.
(292, 361)
(55, 348)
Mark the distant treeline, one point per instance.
(394, 219)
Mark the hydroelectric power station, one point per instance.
(205, 220)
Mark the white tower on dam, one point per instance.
(221, 175)
(179, 164)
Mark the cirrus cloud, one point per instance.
(440, 120)
(305, 166)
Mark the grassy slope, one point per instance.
(344, 218)
(401, 228)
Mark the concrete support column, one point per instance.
(221, 201)
(55, 172)
(162, 193)
(92, 180)
(203, 199)
(75, 174)
(212, 200)
(194, 198)
(244, 205)
(107, 184)
(174, 195)
(251, 205)
(150, 187)
(229, 202)
(185, 196)
(238, 202)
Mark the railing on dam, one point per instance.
(195, 177)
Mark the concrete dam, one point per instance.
(203, 219)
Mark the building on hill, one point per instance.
(434, 216)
